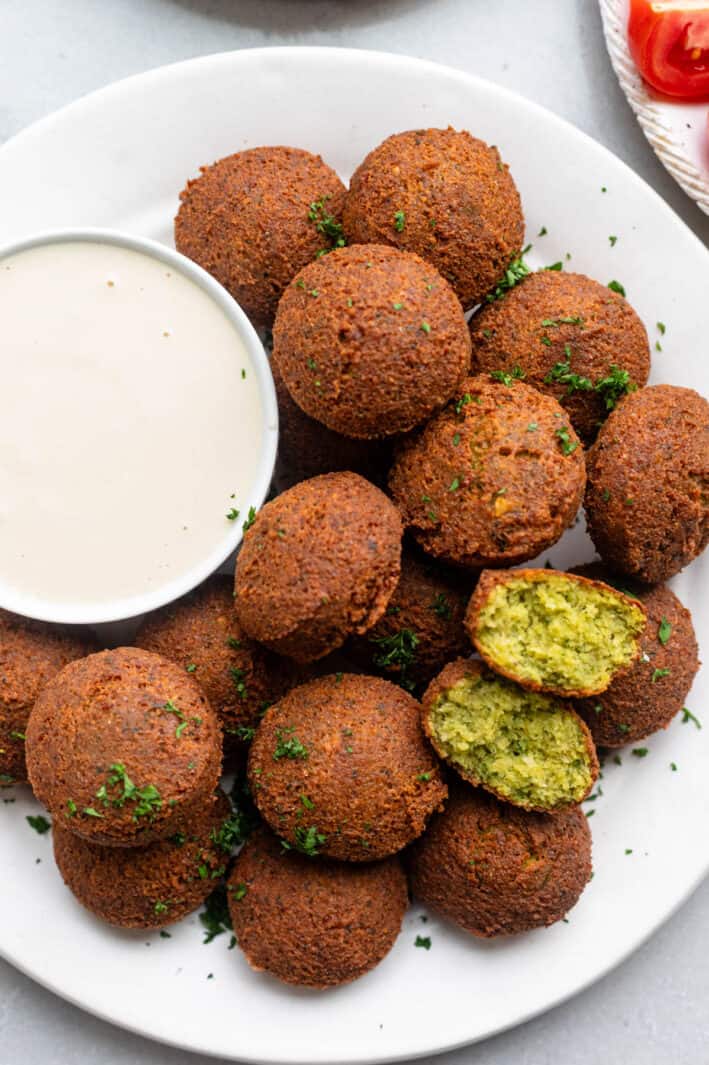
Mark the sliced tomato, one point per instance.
(669, 41)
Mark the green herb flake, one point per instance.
(657, 674)
(441, 606)
(232, 514)
(90, 811)
(614, 385)
(615, 286)
(687, 715)
(238, 679)
(191, 667)
(454, 485)
(554, 266)
(399, 221)
(516, 374)
(426, 328)
(543, 232)
(171, 708)
(568, 446)
(532, 427)
(673, 767)
(515, 272)
(664, 632)
(215, 917)
(161, 907)
(39, 823)
(456, 439)
(661, 328)
(612, 241)
(424, 777)
(251, 518)
(238, 891)
(397, 651)
(289, 746)
(640, 752)
(327, 225)
(423, 941)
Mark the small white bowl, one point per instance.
(121, 609)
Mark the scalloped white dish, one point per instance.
(677, 131)
(118, 158)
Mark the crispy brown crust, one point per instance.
(370, 341)
(313, 923)
(145, 887)
(307, 448)
(31, 653)
(430, 601)
(495, 870)
(635, 706)
(490, 579)
(509, 333)
(653, 451)
(478, 488)
(238, 676)
(369, 773)
(245, 220)
(470, 667)
(462, 211)
(319, 563)
(109, 708)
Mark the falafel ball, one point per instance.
(644, 698)
(320, 563)
(312, 923)
(573, 338)
(531, 750)
(31, 653)
(647, 499)
(495, 870)
(123, 748)
(553, 631)
(422, 627)
(493, 479)
(255, 218)
(446, 196)
(370, 341)
(201, 634)
(341, 767)
(153, 885)
(306, 448)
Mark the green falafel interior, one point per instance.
(557, 632)
(527, 748)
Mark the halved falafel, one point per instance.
(370, 341)
(529, 749)
(647, 500)
(647, 696)
(314, 924)
(498, 871)
(149, 886)
(552, 631)
(572, 337)
(422, 627)
(445, 195)
(123, 748)
(255, 218)
(319, 563)
(31, 653)
(201, 634)
(493, 479)
(307, 448)
(341, 767)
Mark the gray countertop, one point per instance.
(655, 1007)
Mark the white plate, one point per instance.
(118, 158)
(676, 130)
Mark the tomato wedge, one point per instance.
(669, 41)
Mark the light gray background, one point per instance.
(655, 1009)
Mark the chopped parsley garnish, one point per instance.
(561, 373)
(615, 286)
(245, 733)
(515, 272)
(664, 632)
(89, 811)
(39, 823)
(71, 807)
(231, 833)
(516, 374)
(460, 403)
(623, 728)
(687, 715)
(307, 841)
(289, 747)
(326, 224)
(426, 328)
(640, 752)
(215, 917)
(239, 891)
(454, 485)
(554, 323)
(164, 935)
(233, 514)
(251, 518)
(399, 221)
(398, 651)
(162, 907)
(191, 667)
(182, 720)
(147, 799)
(628, 850)
(532, 427)
(673, 767)
(661, 328)
(612, 241)
(568, 446)
(615, 384)
(398, 306)
(423, 941)
(441, 606)
(659, 673)
(554, 266)
(237, 679)
(424, 777)
(543, 232)
(456, 439)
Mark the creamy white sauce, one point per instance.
(131, 424)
